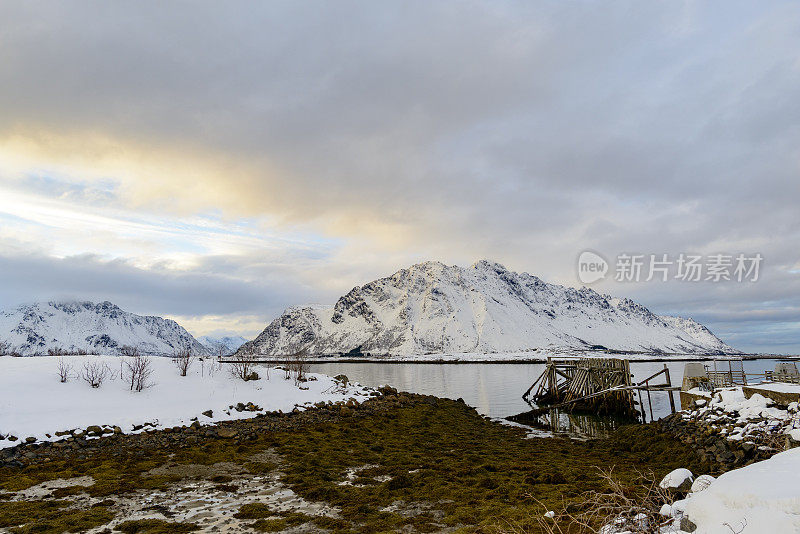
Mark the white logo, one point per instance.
(591, 267)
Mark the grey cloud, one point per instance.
(205, 291)
(524, 133)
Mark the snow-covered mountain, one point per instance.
(433, 308)
(223, 344)
(78, 326)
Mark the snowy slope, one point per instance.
(103, 327)
(170, 400)
(435, 308)
(223, 344)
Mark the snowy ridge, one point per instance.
(222, 345)
(432, 308)
(86, 326)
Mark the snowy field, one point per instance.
(34, 402)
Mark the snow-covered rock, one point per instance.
(86, 326)
(433, 308)
(677, 479)
(223, 344)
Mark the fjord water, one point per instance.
(495, 389)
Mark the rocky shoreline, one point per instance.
(82, 442)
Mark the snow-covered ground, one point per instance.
(34, 403)
(762, 497)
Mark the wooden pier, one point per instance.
(602, 386)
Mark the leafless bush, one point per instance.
(183, 359)
(298, 367)
(64, 369)
(243, 366)
(5, 348)
(137, 372)
(129, 351)
(618, 509)
(95, 373)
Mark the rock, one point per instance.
(686, 525)
(209, 413)
(94, 430)
(30, 439)
(678, 481)
(702, 482)
(226, 433)
(117, 430)
(342, 379)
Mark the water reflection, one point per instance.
(581, 426)
(495, 389)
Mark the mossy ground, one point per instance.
(429, 466)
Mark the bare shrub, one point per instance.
(183, 360)
(94, 373)
(298, 367)
(64, 369)
(137, 372)
(243, 366)
(620, 508)
(5, 348)
(129, 351)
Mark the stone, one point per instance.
(226, 433)
(94, 430)
(209, 413)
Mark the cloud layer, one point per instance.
(333, 143)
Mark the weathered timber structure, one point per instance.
(602, 386)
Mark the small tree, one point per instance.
(243, 366)
(94, 373)
(299, 367)
(64, 369)
(137, 372)
(5, 348)
(183, 359)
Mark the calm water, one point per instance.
(495, 389)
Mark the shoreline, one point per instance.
(647, 359)
(402, 451)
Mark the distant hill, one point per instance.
(222, 345)
(86, 326)
(432, 308)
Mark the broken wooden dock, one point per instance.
(602, 386)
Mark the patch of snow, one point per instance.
(35, 403)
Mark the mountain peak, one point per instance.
(432, 308)
(75, 325)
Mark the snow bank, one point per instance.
(762, 497)
(33, 402)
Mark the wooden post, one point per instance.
(669, 384)
(641, 406)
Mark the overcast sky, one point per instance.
(217, 162)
